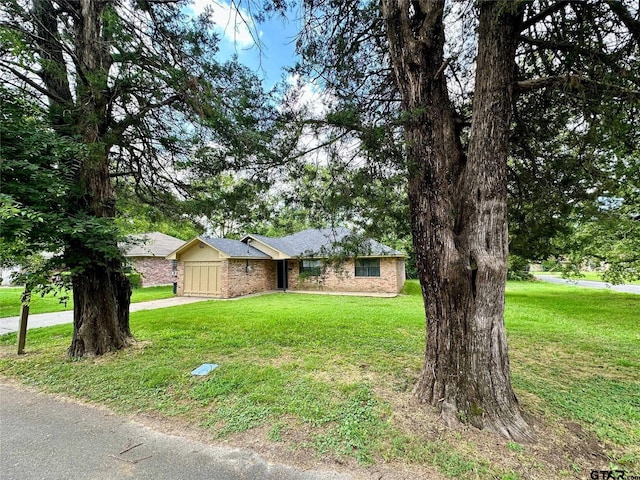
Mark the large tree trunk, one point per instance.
(458, 211)
(100, 312)
(101, 291)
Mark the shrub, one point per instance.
(135, 279)
(518, 268)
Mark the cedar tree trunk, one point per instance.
(101, 291)
(458, 202)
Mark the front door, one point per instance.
(283, 281)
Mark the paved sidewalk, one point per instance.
(47, 438)
(590, 284)
(10, 324)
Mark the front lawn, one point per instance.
(10, 300)
(330, 378)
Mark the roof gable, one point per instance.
(226, 248)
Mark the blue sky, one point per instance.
(239, 30)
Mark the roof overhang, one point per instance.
(221, 253)
(174, 255)
(265, 248)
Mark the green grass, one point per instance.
(10, 300)
(329, 374)
(578, 350)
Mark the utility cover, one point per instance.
(204, 369)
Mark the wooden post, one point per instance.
(22, 331)
(24, 316)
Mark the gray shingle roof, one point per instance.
(322, 242)
(153, 244)
(234, 248)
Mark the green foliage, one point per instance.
(135, 217)
(551, 264)
(574, 134)
(135, 279)
(131, 121)
(232, 206)
(518, 268)
(35, 167)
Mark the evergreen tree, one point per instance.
(463, 85)
(137, 85)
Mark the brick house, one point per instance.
(327, 260)
(146, 254)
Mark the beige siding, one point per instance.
(402, 274)
(202, 279)
(197, 254)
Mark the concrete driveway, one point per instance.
(10, 324)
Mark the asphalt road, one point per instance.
(45, 438)
(590, 284)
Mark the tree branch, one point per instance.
(32, 83)
(131, 119)
(550, 10)
(623, 14)
(572, 82)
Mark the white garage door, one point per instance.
(202, 278)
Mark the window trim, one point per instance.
(371, 267)
(310, 270)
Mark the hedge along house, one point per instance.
(146, 254)
(333, 260)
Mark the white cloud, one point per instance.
(234, 23)
(308, 97)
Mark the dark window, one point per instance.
(310, 267)
(367, 267)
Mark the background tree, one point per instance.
(36, 166)
(461, 99)
(137, 85)
(166, 215)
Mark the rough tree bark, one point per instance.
(458, 210)
(101, 290)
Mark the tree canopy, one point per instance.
(575, 122)
(138, 86)
(535, 99)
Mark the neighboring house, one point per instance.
(7, 275)
(147, 254)
(224, 268)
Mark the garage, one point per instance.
(221, 268)
(202, 278)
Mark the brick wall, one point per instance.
(261, 277)
(401, 274)
(154, 270)
(180, 279)
(238, 280)
(343, 278)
